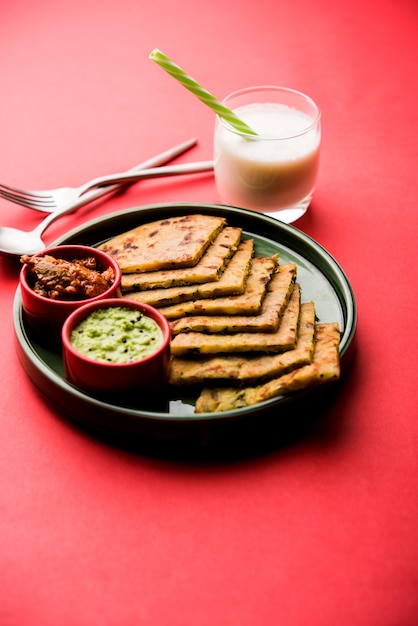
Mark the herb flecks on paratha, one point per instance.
(232, 281)
(209, 268)
(283, 339)
(325, 367)
(247, 368)
(219, 313)
(258, 309)
(164, 244)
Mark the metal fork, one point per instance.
(49, 201)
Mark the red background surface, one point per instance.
(316, 532)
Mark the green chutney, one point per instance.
(117, 335)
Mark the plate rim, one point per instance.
(36, 368)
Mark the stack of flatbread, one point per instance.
(240, 330)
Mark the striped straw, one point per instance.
(207, 98)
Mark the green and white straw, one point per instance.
(200, 92)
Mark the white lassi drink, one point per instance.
(275, 170)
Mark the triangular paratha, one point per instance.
(248, 368)
(164, 244)
(232, 281)
(325, 367)
(258, 309)
(283, 339)
(209, 268)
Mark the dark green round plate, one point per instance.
(172, 416)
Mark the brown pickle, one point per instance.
(60, 279)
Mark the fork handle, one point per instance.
(154, 172)
(126, 177)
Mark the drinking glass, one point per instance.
(274, 171)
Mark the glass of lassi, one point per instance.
(275, 170)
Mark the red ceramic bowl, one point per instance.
(46, 316)
(147, 374)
